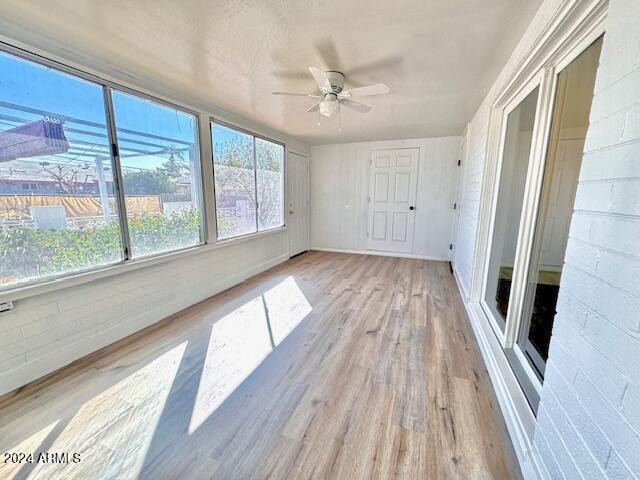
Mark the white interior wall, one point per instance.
(340, 190)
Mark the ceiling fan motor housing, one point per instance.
(336, 79)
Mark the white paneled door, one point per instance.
(392, 200)
(298, 202)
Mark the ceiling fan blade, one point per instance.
(314, 108)
(321, 78)
(377, 89)
(290, 94)
(357, 106)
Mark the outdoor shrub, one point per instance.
(27, 253)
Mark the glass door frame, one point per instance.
(514, 102)
(545, 78)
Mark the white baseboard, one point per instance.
(519, 418)
(382, 254)
(461, 286)
(250, 272)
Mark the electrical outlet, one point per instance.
(6, 306)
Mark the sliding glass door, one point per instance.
(569, 123)
(543, 133)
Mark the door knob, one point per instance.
(290, 212)
(412, 207)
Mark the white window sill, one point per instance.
(50, 285)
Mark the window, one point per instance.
(513, 176)
(249, 182)
(62, 208)
(235, 182)
(58, 212)
(270, 184)
(160, 167)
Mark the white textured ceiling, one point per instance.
(439, 57)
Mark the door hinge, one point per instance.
(451, 246)
(114, 149)
(459, 162)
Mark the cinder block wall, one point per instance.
(589, 417)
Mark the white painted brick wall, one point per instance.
(46, 332)
(589, 426)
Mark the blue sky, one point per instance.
(31, 85)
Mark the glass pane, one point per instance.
(235, 181)
(161, 175)
(57, 209)
(569, 125)
(513, 176)
(270, 179)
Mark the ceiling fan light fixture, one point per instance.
(329, 106)
(333, 95)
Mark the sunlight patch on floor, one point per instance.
(241, 340)
(112, 430)
(29, 445)
(286, 306)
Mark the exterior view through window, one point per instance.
(58, 211)
(160, 173)
(249, 182)
(269, 184)
(59, 205)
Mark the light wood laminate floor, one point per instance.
(329, 366)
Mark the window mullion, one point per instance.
(117, 173)
(255, 179)
(209, 205)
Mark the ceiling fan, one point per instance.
(333, 95)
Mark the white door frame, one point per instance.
(306, 209)
(462, 162)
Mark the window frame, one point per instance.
(121, 194)
(127, 262)
(214, 121)
(535, 82)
